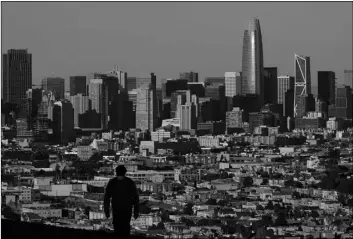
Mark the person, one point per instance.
(122, 194)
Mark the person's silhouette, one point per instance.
(122, 193)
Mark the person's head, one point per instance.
(120, 170)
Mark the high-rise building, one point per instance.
(190, 76)
(17, 75)
(178, 98)
(146, 81)
(252, 62)
(174, 85)
(63, 122)
(41, 124)
(78, 85)
(130, 84)
(235, 118)
(302, 84)
(348, 78)
(187, 116)
(98, 95)
(197, 88)
(232, 83)
(215, 80)
(146, 109)
(326, 86)
(55, 85)
(343, 102)
(270, 85)
(80, 103)
(284, 83)
(121, 77)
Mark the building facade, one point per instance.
(78, 85)
(146, 109)
(252, 61)
(284, 83)
(190, 76)
(326, 86)
(232, 83)
(56, 85)
(302, 84)
(80, 104)
(17, 75)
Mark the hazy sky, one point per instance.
(167, 38)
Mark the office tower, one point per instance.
(22, 128)
(130, 83)
(17, 75)
(209, 110)
(284, 83)
(41, 124)
(321, 106)
(197, 88)
(348, 78)
(252, 62)
(195, 102)
(215, 80)
(34, 98)
(121, 77)
(90, 120)
(235, 118)
(260, 118)
(146, 115)
(55, 85)
(190, 76)
(174, 85)
(326, 86)
(80, 103)
(270, 85)
(98, 95)
(232, 83)
(120, 113)
(112, 84)
(146, 80)
(302, 84)
(78, 85)
(63, 122)
(187, 116)
(178, 98)
(289, 103)
(132, 96)
(217, 92)
(343, 102)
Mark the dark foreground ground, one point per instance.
(12, 229)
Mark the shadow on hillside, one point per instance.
(12, 229)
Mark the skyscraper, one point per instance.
(17, 75)
(63, 122)
(190, 76)
(252, 62)
(146, 109)
(284, 83)
(98, 94)
(80, 103)
(326, 86)
(302, 84)
(187, 116)
(270, 85)
(146, 81)
(55, 85)
(78, 85)
(232, 83)
(130, 83)
(348, 78)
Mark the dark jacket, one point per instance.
(123, 194)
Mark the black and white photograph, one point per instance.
(176, 119)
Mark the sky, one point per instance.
(73, 38)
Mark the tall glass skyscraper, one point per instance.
(252, 65)
(302, 84)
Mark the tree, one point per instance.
(247, 182)
(188, 209)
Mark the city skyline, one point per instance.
(65, 46)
